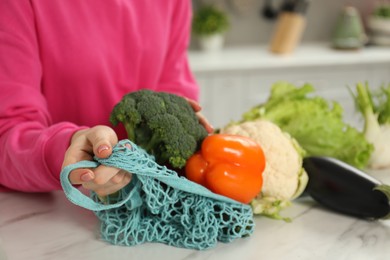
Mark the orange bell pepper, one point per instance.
(229, 165)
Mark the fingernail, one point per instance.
(103, 148)
(210, 129)
(88, 176)
(197, 106)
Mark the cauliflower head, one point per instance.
(284, 177)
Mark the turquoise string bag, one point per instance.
(160, 206)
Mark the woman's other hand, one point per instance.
(202, 119)
(87, 143)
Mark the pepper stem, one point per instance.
(385, 189)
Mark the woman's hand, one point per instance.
(98, 141)
(202, 119)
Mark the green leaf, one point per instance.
(316, 123)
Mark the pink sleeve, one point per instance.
(32, 148)
(177, 77)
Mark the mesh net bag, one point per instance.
(160, 206)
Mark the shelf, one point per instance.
(258, 57)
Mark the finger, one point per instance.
(203, 121)
(120, 176)
(103, 174)
(80, 176)
(195, 105)
(75, 154)
(102, 139)
(110, 189)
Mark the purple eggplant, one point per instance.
(345, 189)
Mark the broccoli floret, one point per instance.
(163, 124)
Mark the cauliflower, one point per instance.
(283, 178)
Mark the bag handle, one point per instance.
(127, 156)
(77, 197)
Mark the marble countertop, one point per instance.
(48, 226)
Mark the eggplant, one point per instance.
(345, 189)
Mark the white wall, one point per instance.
(226, 94)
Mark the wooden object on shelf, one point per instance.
(289, 29)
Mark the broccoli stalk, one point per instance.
(375, 108)
(163, 124)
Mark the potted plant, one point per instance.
(209, 26)
(379, 25)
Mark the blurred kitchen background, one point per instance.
(331, 44)
(249, 26)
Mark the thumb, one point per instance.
(78, 176)
(102, 139)
(102, 149)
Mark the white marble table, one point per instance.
(48, 226)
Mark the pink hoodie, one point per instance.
(65, 64)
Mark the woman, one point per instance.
(64, 65)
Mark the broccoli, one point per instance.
(163, 124)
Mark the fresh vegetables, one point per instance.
(314, 122)
(228, 165)
(346, 189)
(163, 124)
(375, 108)
(283, 178)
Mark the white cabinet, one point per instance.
(235, 80)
